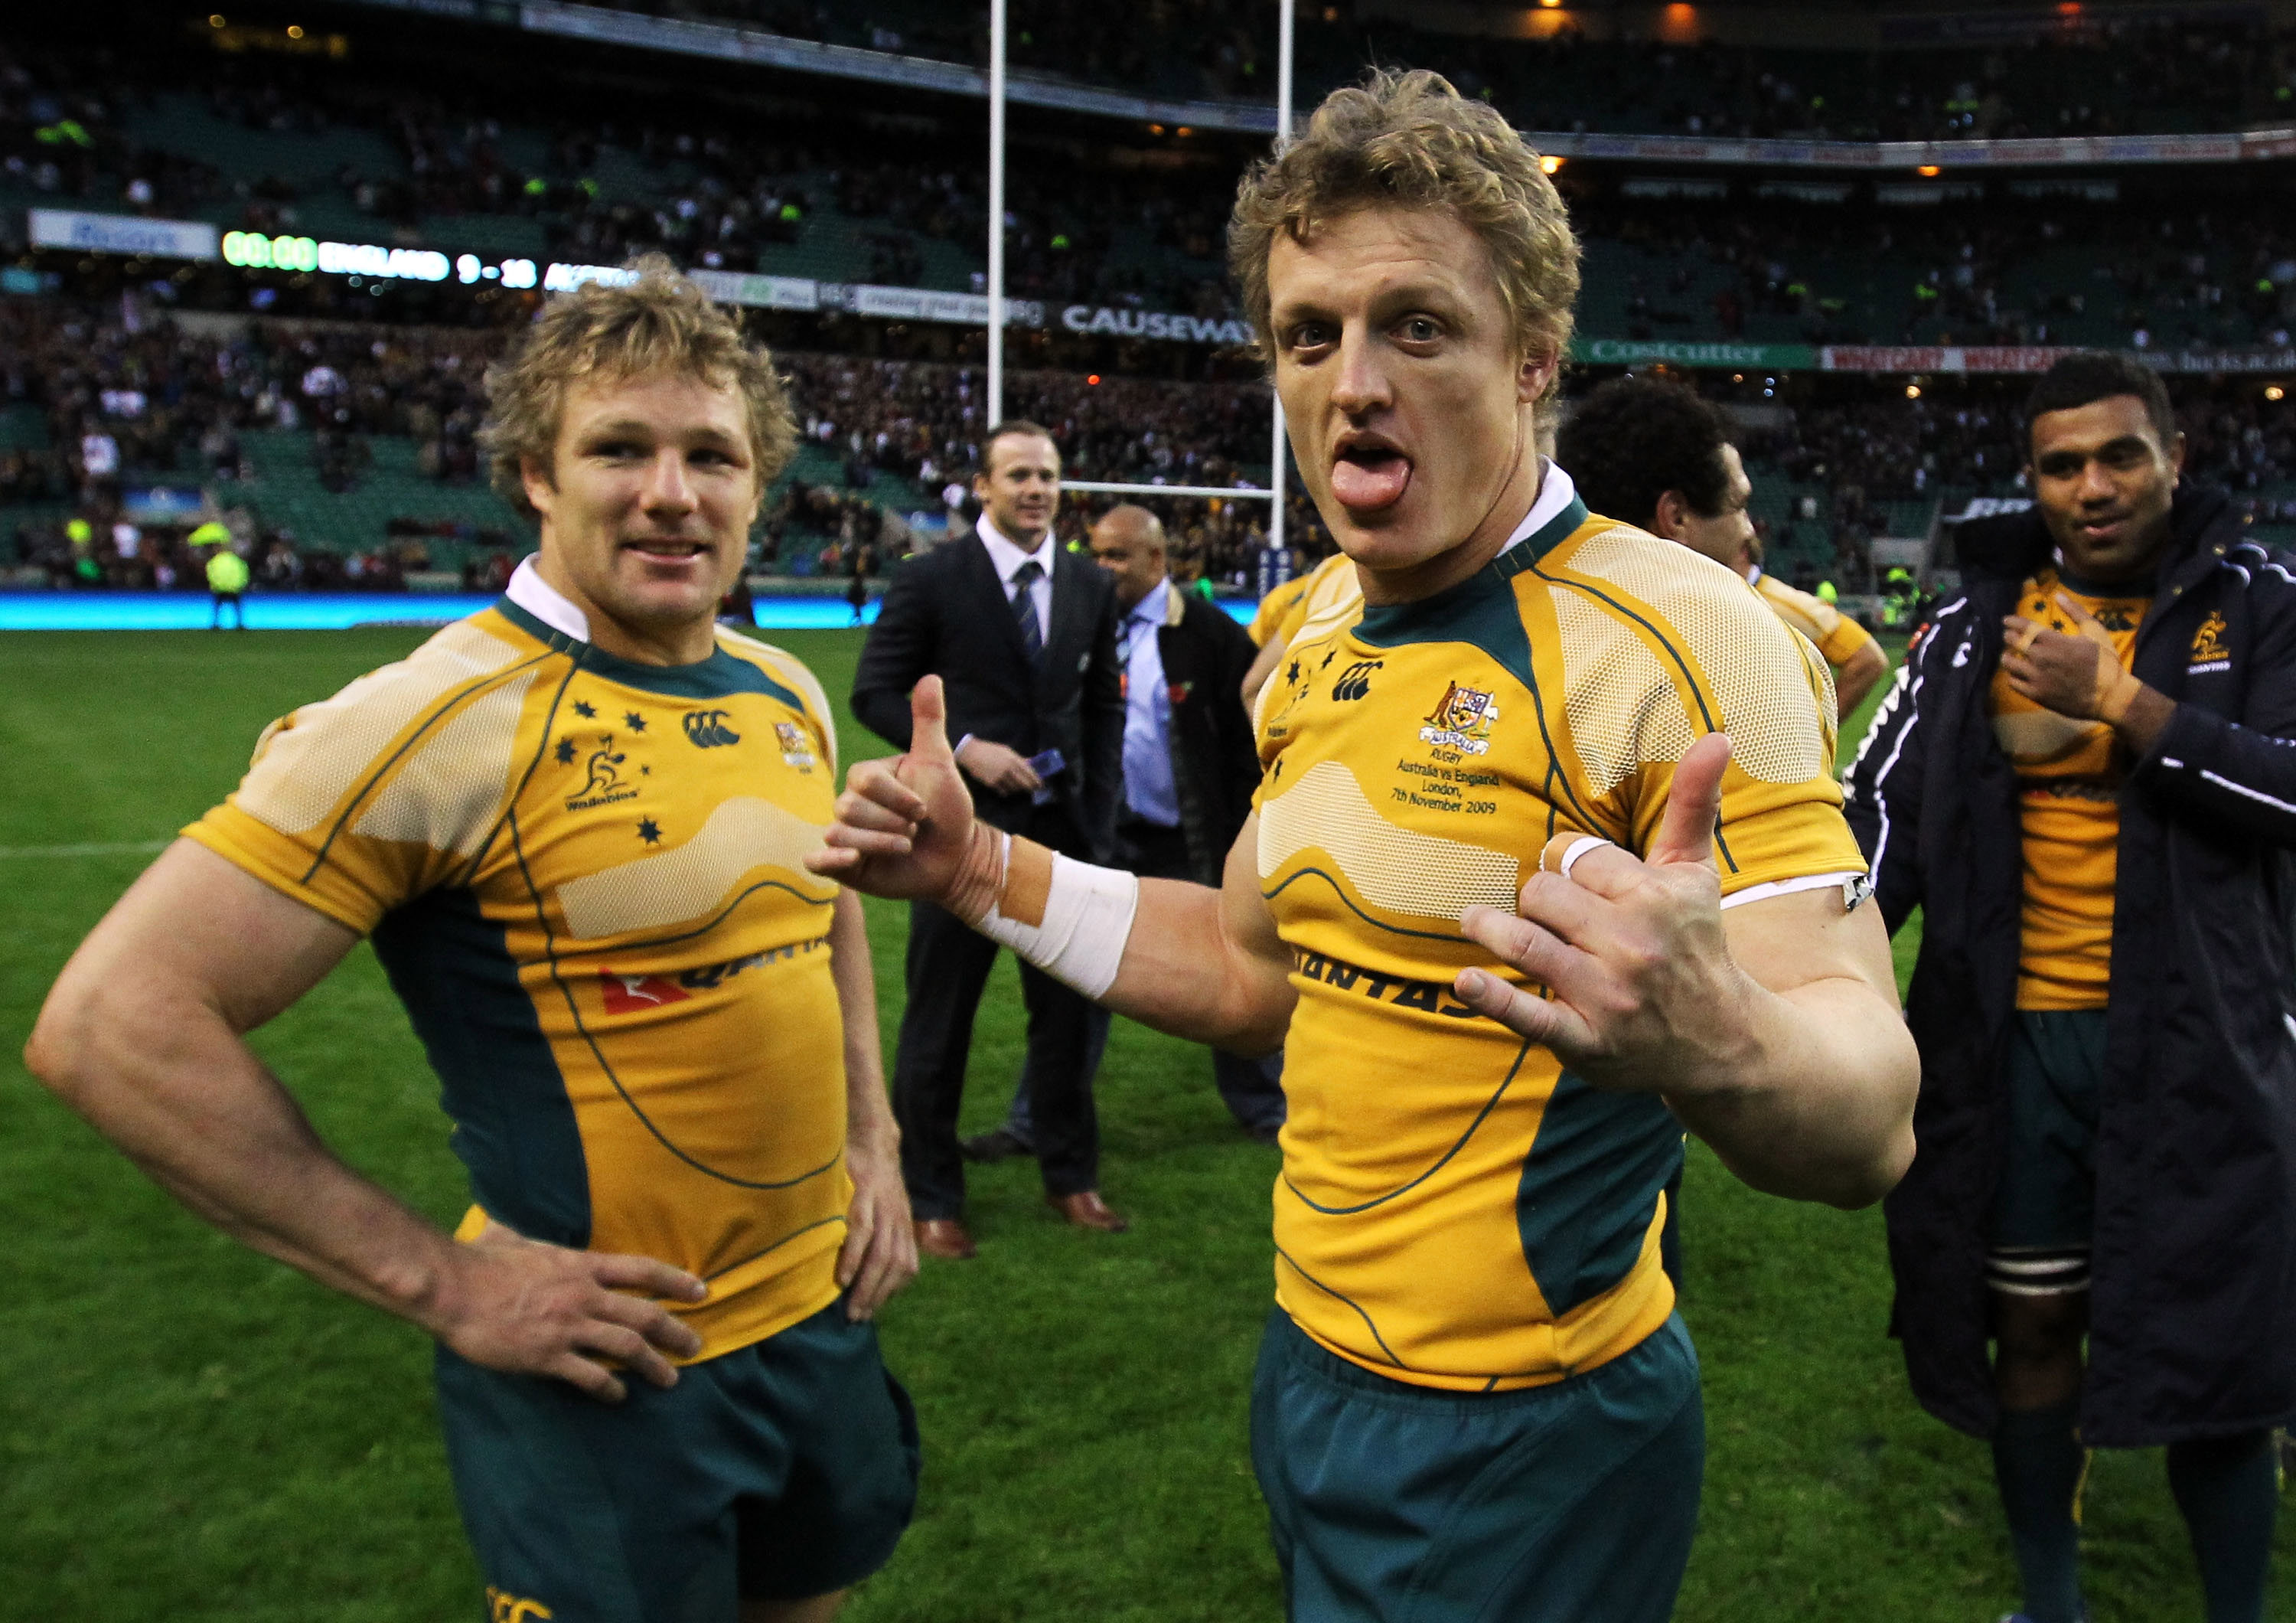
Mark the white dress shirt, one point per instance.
(1007, 557)
(1149, 791)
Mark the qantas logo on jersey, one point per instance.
(707, 730)
(632, 993)
(1433, 996)
(1461, 720)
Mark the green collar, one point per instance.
(1390, 623)
(719, 676)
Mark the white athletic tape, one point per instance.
(1578, 848)
(1088, 916)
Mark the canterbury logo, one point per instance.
(2208, 642)
(502, 1608)
(707, 729)
(1355, 681)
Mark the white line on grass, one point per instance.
(133, 847)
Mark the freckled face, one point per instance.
(1408, 404)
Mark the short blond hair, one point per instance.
(1412, 141)
(659, 323)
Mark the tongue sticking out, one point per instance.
(1371, 482)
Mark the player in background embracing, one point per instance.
(573, 826)
(2085, 780)
(1494, 771)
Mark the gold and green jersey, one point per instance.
(584, 878)
(1836, 635)
(1455, 1209)
(2069, 777)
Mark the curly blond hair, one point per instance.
(659, 322)
(1410, 140)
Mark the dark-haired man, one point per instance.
(1657, 456)
(2086, 777)
(1023, 633)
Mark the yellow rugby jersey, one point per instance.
(1455, 1210)
(1836, 635)
(2069, 778)
(583, 876)
(1273, 609)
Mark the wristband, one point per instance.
(1072, 919)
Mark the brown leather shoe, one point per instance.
(1088, 1210)
(947, 1238)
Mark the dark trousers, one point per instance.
(1251, 1089)
(238, 611)
(949, 963)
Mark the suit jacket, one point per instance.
(1215, 760)
(946, 613)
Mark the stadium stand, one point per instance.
(337, 418)
(2060, 80)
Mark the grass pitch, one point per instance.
(189, 1431)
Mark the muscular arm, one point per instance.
(879, 1255)
(1201, 963)
(1856, 679)
(1821, 1106)
(141, 1036)
(1776, 1037)
(1207, 964)
(1772, 1030)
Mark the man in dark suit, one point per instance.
(1189, 771)
(1023, 637)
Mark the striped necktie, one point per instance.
(1024, 609)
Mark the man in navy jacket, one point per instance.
(2086, 778)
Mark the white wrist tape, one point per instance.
(1088, 916)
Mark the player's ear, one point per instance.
(541, 487)
(1535, 377)
(1666, 518)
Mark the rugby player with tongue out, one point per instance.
(1478, 904)
(1410, 401)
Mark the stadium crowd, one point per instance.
(2083, 75)
(122, 396)
(717, 187)
(132, 396)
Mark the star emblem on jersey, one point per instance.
(585, 709)
(634, 722)
(565, 751)
(1461, 720)
(649, 831)
(631, 994)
